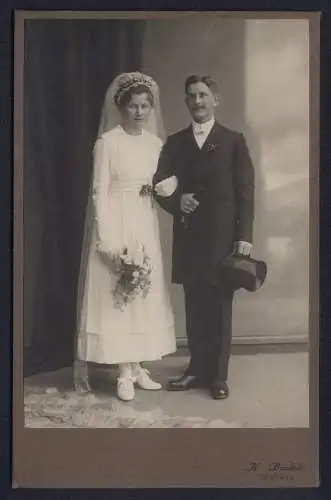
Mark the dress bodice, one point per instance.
(133, 158)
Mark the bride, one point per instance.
(125, 316)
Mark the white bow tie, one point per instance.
(199, 130)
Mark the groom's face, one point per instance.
(201, 102)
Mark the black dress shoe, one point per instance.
(219, 390)
(184, 383)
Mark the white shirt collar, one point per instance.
(203, 128)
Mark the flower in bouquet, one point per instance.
(138, 255)
(133, 275)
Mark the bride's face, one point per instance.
(136, 111)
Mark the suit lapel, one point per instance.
(199, 163)
(191, 142)
(210, 155)
(213, 139)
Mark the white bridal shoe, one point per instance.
(144, 381)
(125, 388)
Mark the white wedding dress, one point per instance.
(144, 329)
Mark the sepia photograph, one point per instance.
(165, 172)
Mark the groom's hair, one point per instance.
(207, 80)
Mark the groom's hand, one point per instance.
(188, 203)
(243, 248)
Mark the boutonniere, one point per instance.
(211, 146)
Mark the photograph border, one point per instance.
(160, 458)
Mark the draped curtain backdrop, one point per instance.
(68, 67)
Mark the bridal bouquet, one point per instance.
(134, 275)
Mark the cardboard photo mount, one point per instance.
(164, 458)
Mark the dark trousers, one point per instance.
(209, 330)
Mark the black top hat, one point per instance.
(239, 271)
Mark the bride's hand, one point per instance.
(166, 187)
(103, 248)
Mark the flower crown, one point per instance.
(131, 80)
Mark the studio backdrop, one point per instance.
(262, 69)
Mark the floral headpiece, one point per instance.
(127, 81)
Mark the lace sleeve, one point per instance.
(101, 181)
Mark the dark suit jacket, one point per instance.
(223, 170)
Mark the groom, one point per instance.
(213, 209)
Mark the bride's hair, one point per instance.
(125, 97)
(119, 94)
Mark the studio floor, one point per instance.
(266, 390)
